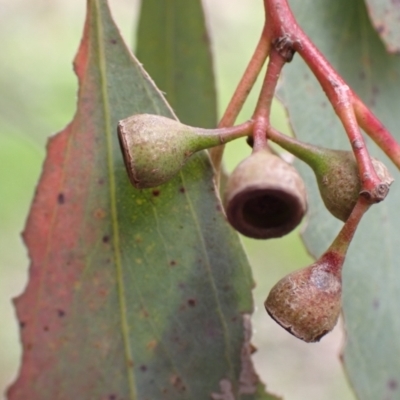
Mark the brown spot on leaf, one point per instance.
(182, 189)
(192, 302)
(151, 345)
(60, 313)
(113, 41)
(393, 384)
(138, 239)
(156, 193)
(99, 213)
(61, 198)
(144, 313)
(97, 345)
(172, 263)
(177, 383)
(22, 324)
(143, 368)
(46, 328)
(175, 339)
(106, 239)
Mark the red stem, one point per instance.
(242, 91)
(263, 109)
(247, 82)
(368, 176)
(342, 241)
(377, 131)
(333, 258)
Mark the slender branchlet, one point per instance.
(242, 91)
(262, 112)
(376, 131)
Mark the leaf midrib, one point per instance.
(113, 202)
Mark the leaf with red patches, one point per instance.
(126, 295)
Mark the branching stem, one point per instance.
(288, 38)
(281, 38)
(263, 108)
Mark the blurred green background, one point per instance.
(38, 98)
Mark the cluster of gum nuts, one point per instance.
(265, 197)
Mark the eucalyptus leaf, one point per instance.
(173, 45)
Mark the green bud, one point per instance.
(336, 172)
(155, 148)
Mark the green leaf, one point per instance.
(385, 16)
(173, 45)
(371, 272)
(132, 294)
